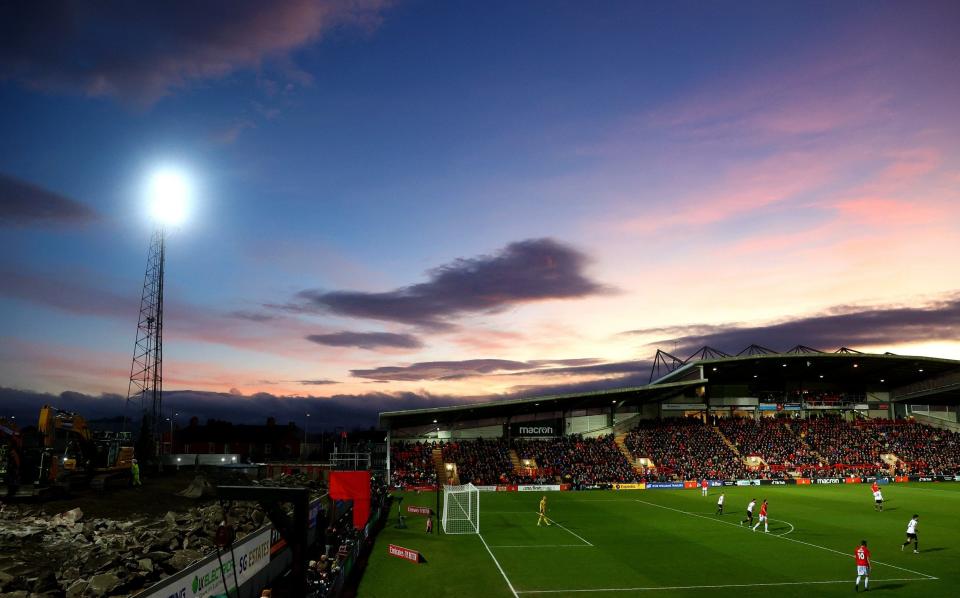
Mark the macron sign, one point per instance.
(540, 428)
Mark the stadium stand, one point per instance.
(577, 460)
(689, 449)
(769, 438)
(480, 462)
(413, 464)
(684, 449)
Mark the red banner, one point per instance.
(901, 478)
(803, 481)
(690, 484)
(421, 488)
(851, 480)
(403, 553)
(506, 488)
(419, 510)
(355, 486)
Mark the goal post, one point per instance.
(461, 509)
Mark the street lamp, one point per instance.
(171, 420)
(306, 423)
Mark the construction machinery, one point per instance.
(62, 452)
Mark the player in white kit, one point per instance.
(912, 535)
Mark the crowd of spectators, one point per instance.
(925, 449)
(577, 460)
(684, 449)
(342, 543)
(480, 462)
(857, 446)
(689, 449)
(839, 442)
(769, 438)
(412, 464)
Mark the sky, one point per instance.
(398, 204)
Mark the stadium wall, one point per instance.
(936, 422)
(589, 425)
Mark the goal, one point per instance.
(461, 509)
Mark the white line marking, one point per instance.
(561, 526)
(497, 563)
(732, 585)
(927, 489)
(783, 521)
(653, 504)
(539, 546)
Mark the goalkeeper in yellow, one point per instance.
(543, 511)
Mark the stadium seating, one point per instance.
(413, 464)
(578, 460)
(481, 462)
(769, 438)
(688, 449)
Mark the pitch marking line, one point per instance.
(731, 585)
(783, 521)
(564, 528)
(783, 537)
(539, 546)
(497, 563)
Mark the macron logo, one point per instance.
(536, 429)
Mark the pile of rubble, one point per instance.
(69, 555)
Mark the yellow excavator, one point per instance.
(64, 452)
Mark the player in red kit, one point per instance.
(874, 487)
(703, 487)
(862, 554)
(763, 518)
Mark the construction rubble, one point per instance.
(67, 554)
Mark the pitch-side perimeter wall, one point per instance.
(257, 559)
(693, 484)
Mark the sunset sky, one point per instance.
(408, 203)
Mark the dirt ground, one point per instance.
(154, 498)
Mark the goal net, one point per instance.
(461, 509)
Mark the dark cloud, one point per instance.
(639, 375)
(140, 51)
(366, 340)
(839, 327)
(65, 293)
(252, 316)
(596, 368)
(318, 382)
(525, 271)
(22, 203)
(350, 411)
(454, 370)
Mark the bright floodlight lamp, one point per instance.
(168, 192)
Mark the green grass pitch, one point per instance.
(669, 542)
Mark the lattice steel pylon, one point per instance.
(146, 372)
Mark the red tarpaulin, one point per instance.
(355, 486)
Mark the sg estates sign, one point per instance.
(539, 428)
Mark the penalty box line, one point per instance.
(564, 528)
(653, 504)
(497, 563)
(704, 587)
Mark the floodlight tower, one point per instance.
(167, 192)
